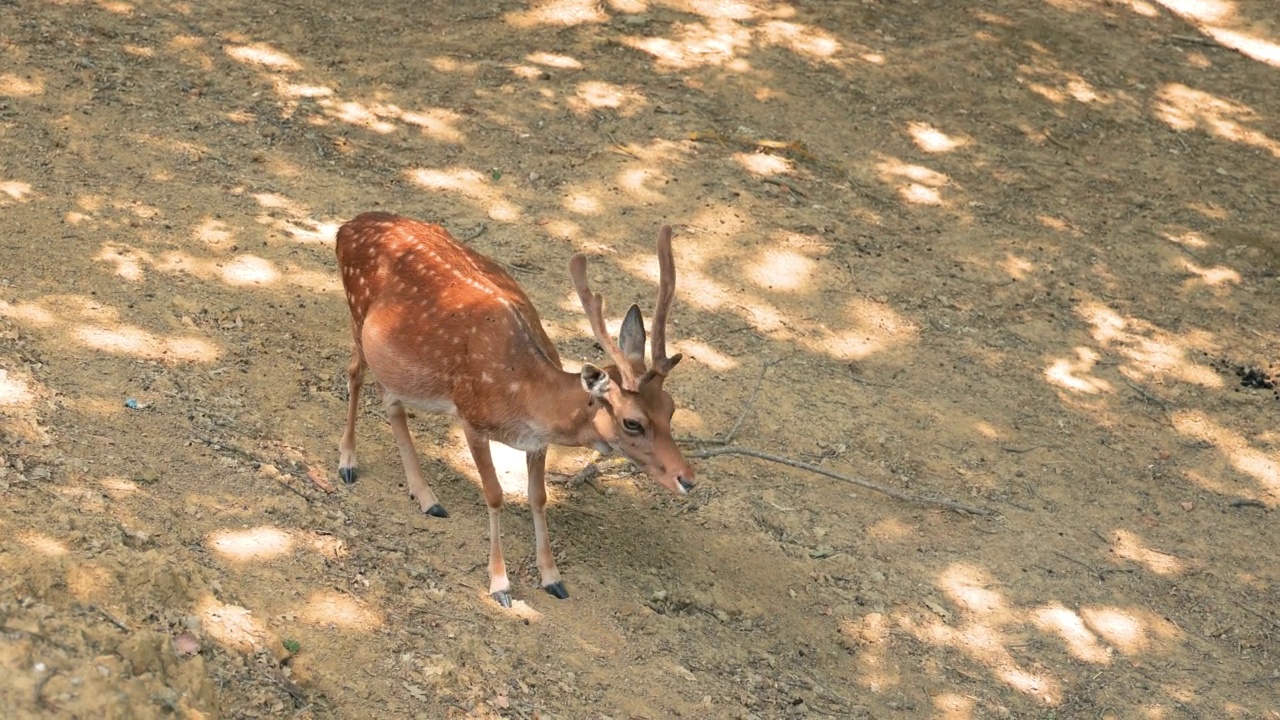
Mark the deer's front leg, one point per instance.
(499, 586)
(536, 462)
(418, 487)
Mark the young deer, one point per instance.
(447, 330)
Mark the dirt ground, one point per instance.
(1018, 254)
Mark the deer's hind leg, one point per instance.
(347, 448)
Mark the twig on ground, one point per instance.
(1247, 502)
(253, 458)
(580, 509)
(742, 416)
(784, 182)
(1148, 396)
(1258, 614)
(109, 618)
(898, 494)
(1197, 40)
(592, 471)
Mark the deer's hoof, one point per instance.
(348, 475)
(502, 597)
(556, 590)
(438, 510)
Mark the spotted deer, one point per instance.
(447, 330)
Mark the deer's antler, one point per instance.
(593, 306)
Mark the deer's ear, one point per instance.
(631, 336)
(595, 381)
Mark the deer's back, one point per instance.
(431, 315)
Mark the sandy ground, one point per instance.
(1018, 254)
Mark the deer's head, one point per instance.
(634, 414)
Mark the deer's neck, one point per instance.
(560, 407)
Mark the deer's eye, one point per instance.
(632, 426)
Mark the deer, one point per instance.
(446, 330)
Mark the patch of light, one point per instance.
(782, 269)
(557, 13)
(1081, 643)
(330, 608)
(14, 390)
(15, 190)
(249, 270)
(1121, 629)
(1130, 547)
(758, 163)
(43, 544)
(704, 354)
(932, 140)
(563, 62)
(260, 543)
(263, 55)
(13, 86)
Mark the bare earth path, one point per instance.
(1022, 254)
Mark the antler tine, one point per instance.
(666, 294)
(593, 306)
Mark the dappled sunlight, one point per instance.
(763, 164)
(117, 338)
(242, 270)
(14, 390)
(20, 87)
(332, 609)
(1262, 467)
(1081, 643)
(1190, 239)
(867, 326)
(1131, 631)
(809, 42)
(953, 706)
(932, 140)
(300, 226)
(636, 182)
(508, 462)
(119, 488)
(581, 202)
(234, 627)
(704, 354)
(134, 341)
(1185, 109)
(262, 55)
(213, 232)
(556, 13)
(1128, 546)
(916, 184)
(1152, 353)
(563, 62)
(782, 269)
(43, 544)
(968, 587)
(257, 544)
(1016, 267)
(14, 191)
(469, 184)
(718, 43)
(989, 628)
(1212, 17)
(1211, 276)
(1073, 375)
(1060, 86)
(600, 95)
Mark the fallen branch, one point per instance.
(259, 461)
(898, 494)
(742, 416)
